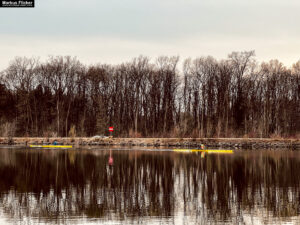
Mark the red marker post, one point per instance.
(111, 129)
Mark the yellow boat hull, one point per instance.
(223, 151)
(50, 146)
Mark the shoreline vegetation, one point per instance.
(205, 97)
(236, 143)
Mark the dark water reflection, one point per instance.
(79, 186)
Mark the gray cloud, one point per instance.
(116, 30)
(153, 20)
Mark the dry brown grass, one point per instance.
(133, 134)
(8, 129)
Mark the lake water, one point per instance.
(118, 186)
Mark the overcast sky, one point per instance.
(115, 31)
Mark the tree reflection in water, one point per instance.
(59, 185)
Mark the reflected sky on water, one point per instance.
(91, 186)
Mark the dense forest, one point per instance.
(205, 97)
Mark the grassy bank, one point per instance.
(242, 143)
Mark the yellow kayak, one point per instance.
(223, 151)
(50, 146)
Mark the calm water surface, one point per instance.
(149, 187)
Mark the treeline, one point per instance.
(234, 97)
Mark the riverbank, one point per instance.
(236, 143)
